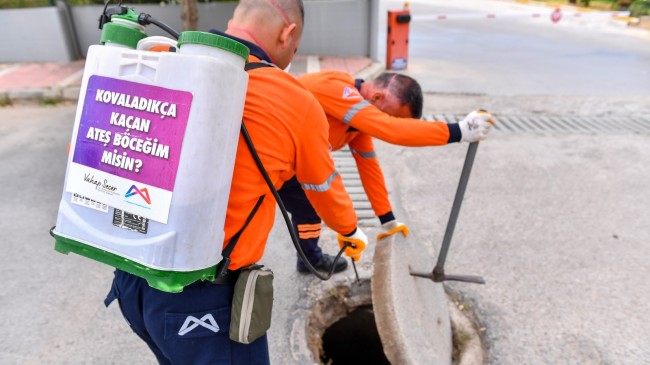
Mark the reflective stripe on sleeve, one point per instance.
(354, 110)
(369, 154)
(321, 187)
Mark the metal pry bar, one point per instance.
(438, 274)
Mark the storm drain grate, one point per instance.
(563, 124)
(347, 167)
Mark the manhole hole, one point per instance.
(332, 311)
(354, 340)
(340, 328)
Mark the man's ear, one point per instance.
(288, 32)
(377, 96)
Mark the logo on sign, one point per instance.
(144, 193)
(398, 64)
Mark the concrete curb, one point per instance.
(371, 71)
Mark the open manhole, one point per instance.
(389, 317)
(342, 329)
(341, 326)
(353, 340)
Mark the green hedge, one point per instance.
(640, 8)
(9, 4)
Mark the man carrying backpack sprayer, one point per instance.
(385, 108)
(289, 131)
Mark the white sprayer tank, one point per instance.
(151, 158)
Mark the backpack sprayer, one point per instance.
(147, 126)
(152, 153)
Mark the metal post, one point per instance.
(65, 12)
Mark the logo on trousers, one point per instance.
(191, 322)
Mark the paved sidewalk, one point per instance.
(51, 82)
(40, 81)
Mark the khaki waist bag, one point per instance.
(252, 304)
(252, 301)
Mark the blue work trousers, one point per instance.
(190, 327)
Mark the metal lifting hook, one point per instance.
(354, 266)
(438, 274)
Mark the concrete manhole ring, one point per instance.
(332, 302)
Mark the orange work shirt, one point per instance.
(354, 121)
(289, 130)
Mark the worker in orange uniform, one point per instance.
(386, 108)
(289, 130)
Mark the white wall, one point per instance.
(332, 27)
(34, 34)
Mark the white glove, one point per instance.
(358, 239)
(475, 126)
(392, 227)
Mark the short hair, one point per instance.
(295, 7)
(405, 88)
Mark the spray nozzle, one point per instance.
(108, 13)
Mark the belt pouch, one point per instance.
(252, 304)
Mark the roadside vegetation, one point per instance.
(640, 8)
(637, 8)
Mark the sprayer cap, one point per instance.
(121, 34)
(130, 15)
(213, 40)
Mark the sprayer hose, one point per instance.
(287, 220)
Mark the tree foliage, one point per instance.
(640, 8)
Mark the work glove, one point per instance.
(391, 227)
(475, 126)
(358, 239)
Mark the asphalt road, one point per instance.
(515, 53)
(557, 223)
(51, 304)
(558, 227)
